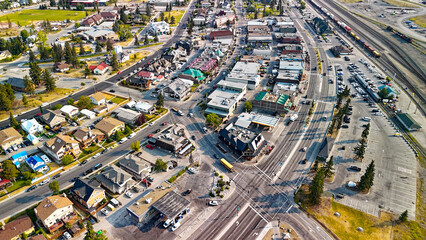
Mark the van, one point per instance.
(167, 223)
(175, 226)
(115, 202)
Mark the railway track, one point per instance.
(396, 52)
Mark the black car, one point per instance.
(193, 137)
(157, 131)
(31, 188)
(74, 179)
(89, 171)
(355, 168)
(56, 176)
(82, 163)
(112, 91)
(187, 192)
(104, 151)
(345, 126)
(215, 156)
(97, 166)
(304, 161)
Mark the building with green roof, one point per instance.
(272, 102)
(409, 123)
(195, 73)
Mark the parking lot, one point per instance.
(394, 186)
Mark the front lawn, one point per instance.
(88, 150)
(25, 17)
(117, 100)
(16, 185)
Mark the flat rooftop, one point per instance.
(237, 85)
(291, 65)
(171, 204)
(248, 68)
(245, 119)
(143, 206)
(272, 97)
(222, 102)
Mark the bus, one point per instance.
(227, 165)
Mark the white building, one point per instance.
(159, 28)
(118, 49)
(69, 110)
(32, 126)
(144, 107)
(223, 102)
(87, 113)
(199, 21)
(245, 72)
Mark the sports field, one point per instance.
(25, 17)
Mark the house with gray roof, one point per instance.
(115, 179)
(135, 166)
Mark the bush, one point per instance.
(83, 84)
(226, 187)
(221, 195)
(67, 159)
(211, 194)
(172, 179)
(28, 182)
(216, 174)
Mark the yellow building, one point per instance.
(9, 137)
(14, 229)
(109, 126)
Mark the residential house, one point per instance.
(88, 114)
(205, 4)
(32, 126)
(37, 164)
(144, 107)
(146, 75)
(88, 193)
(159, 28)
(135, 166)
(224, 20)
(185, 44)
(98, 98)
(60, 146)
(140, 82)
(126, 115)
(4, 183)
(97, 34)
(55, 211)
(17, 84)
(199, 21)
(109, 126)
(53, 119)
(5, 54)
(69, 111)
(61, 66)
(93, 20)
(86, 136)
(100, 69)
(9, 137)
(115, 180)
(110, 16)
(14, 229)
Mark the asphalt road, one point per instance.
(105, 85)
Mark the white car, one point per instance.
(43, 182)
(104, 211)
(367, 119)
(175, 226)
(167, 223)
(192, 170)
(213, 203)
(123, 140)
(67, 235)
(132, 135)
(129, 194)
(304, 149)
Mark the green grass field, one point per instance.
(419, 20)
(25, 17)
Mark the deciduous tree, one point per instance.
(54, 187)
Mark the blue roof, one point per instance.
(19, 155)
(35, 162)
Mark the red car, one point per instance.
(164, 123)
(150, 135)
(119, 72)
(150, 147)
(147, 183)
(38, 114)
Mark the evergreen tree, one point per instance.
(316, 165)
(160, 100)
(317, 187)
(35, 73)
(29, 85)
(98, 47)
(87, 71)
(74, 59)
(329, 167)
(114, 62)
(162, 16)
(82, 52)
(24, 99)
(172, 20)
(156, 38)
(13, 122)
(109, 45)
(367, 179)
(148, 10)
(32, 56)
(44, 52)
(404, 216)
(49, 81)
(5, 103)
(256, 14)
(146, 41)
(123, 16)
(116, 26)
(68, 53)
(136, 40)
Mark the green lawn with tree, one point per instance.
(25, 17)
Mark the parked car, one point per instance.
(56, 176)
(67, 235)
(345, 126)
(164, 123)
(192, 170)
(167, 223)
(82, 163)
(213, 203)
(304, 149)
(45, 181)
(132, 135)
(355, 168)
(215, 156)
(129, 194)
(175, 226)
(123, 140)
(187, 192)
(89, 171)
(105, 211)
(150, 147)
(146, 183)
(151, 179)
(97, 166)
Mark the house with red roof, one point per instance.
(100, 69)
(146, 75)
(223, 34)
